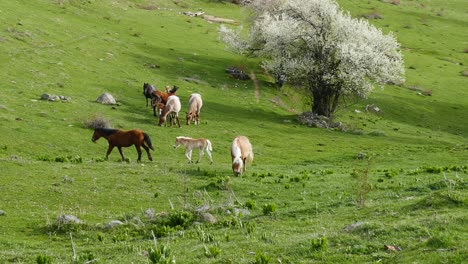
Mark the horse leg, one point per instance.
(139, 152)
(188, 154)
(209, 155)
(147, 151)
(177, 118)
(109, 150)
(121, 153)
(200, 156)
(245, 167)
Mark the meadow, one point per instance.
(391, 188)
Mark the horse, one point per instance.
(172, 109)
(202, 144)
(195, 104)
(241, 150)
(148, 91)
(159, 98)
(124, 138)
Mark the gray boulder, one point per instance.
(106, 98)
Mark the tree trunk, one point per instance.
(325, 98)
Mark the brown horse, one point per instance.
(124, 138)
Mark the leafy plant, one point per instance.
(269, 208)
(161, 255)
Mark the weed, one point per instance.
(212, 251)
(161, 255)
(319, 244)
(269, 208)
(44, 260)
(250, 204)
(261, 258)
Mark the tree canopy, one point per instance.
(316, 45)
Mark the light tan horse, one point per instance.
(171, 108)
(241, 150)
(195, 105)
(202, 144)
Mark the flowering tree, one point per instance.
(316, 45)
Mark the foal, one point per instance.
(202, 144)
(241, 150)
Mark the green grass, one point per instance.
(306, 185)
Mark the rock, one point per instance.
(106, 98)
(372, 108)
(68, 219)
(113, 224)
(241, 212)
(54, 98)
(208, 218)
(149, 213)
(2, 212)
(202, 208)
(351, 227)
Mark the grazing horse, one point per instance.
(148, 91)
(159, 98)
(195, 104)
(202, 144)
(172, 109)
(124, 138)
(241, 150)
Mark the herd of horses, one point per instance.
(166, 105)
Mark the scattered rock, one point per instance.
(54, 98)
(360, 155)
(68, 219)
(149, 213)
(219, 20)
(313, 120)
(372, 108)
(113, 224)
(208, 218)
(203, 208)
(241, 212)
(199, 13)
(237, 73)
(106, 98)
(2, 212)
(351, 227)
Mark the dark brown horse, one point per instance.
(124, 138)
(148, 91)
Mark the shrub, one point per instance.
(180, 218)
(96, 122)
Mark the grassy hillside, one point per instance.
(306, 198)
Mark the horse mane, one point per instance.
(106, 131)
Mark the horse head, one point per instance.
(237, 165)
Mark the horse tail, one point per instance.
(174, 89)
(209, 147)
(148, 141)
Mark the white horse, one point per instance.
(195, 105)
(171, 108)
(202, 144)
(241, 150)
